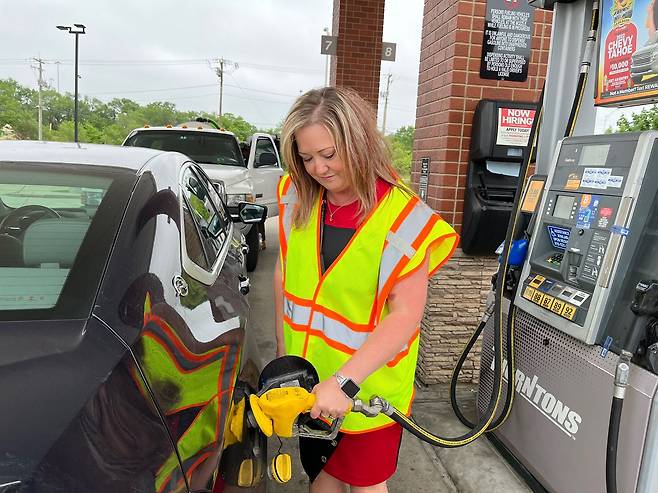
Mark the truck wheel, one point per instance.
(253, 242)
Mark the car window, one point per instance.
(202, 147)
(220, 224)
(208, 232)
(57, 224)
(263, 145)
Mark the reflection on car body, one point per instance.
(119, 379)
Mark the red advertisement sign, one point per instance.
(619, 46)
(628, 52)
(514, 126)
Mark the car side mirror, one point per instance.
(266, 159)
(249, 213)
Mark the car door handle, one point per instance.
(180, 285)
(243, 284)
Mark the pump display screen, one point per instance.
(563, 206)
(594, 155)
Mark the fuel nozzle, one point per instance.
(645, 301)
(644, 307)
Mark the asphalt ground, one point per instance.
(421, 467)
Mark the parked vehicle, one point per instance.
(125, 354)
(644, 63)
(250, 172)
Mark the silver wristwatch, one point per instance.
(347, 385)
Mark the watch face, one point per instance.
(350, 389)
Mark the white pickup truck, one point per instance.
(249, 172)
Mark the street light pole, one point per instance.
(77, 30)
(326, 62)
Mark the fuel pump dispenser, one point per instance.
(593, 241)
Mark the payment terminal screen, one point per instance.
(563, 206)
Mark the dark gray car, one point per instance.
(125, 357)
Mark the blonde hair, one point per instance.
(352, 124)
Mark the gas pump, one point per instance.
(592, 242)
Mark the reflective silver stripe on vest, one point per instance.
(288, 201)
(400, 241)
(332, 329)
(338, 331)
(297, 313)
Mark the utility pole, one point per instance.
(221, 67)
(385, 95)
(58, 63)
(41, 84)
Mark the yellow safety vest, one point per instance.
(327, 317)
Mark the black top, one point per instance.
(334, 240)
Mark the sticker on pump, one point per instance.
(589, 205)
(569, 311)
(559, 236)
(573, 182)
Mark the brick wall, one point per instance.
(449, 88)
(359, 25)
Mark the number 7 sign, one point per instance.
(328, 45)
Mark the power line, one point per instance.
(137, 91)
(173, 62)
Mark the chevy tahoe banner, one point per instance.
(628, 52)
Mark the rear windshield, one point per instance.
(202, 147)
(57, 224)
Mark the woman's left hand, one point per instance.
(330, 401)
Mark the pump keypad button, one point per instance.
(569, 311)
(547, 302)
(558, 306)
(528, 293)
(537, 296)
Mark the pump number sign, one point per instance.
(628, 53)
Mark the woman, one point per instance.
(357, 248)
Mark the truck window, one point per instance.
(202, 146)
(263, 145)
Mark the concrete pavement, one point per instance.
(475, 468)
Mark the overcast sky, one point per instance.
(159, 51)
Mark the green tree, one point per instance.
(99, 122)
(18, 108)
(401, 146)
(236, 124)
(646, 119)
